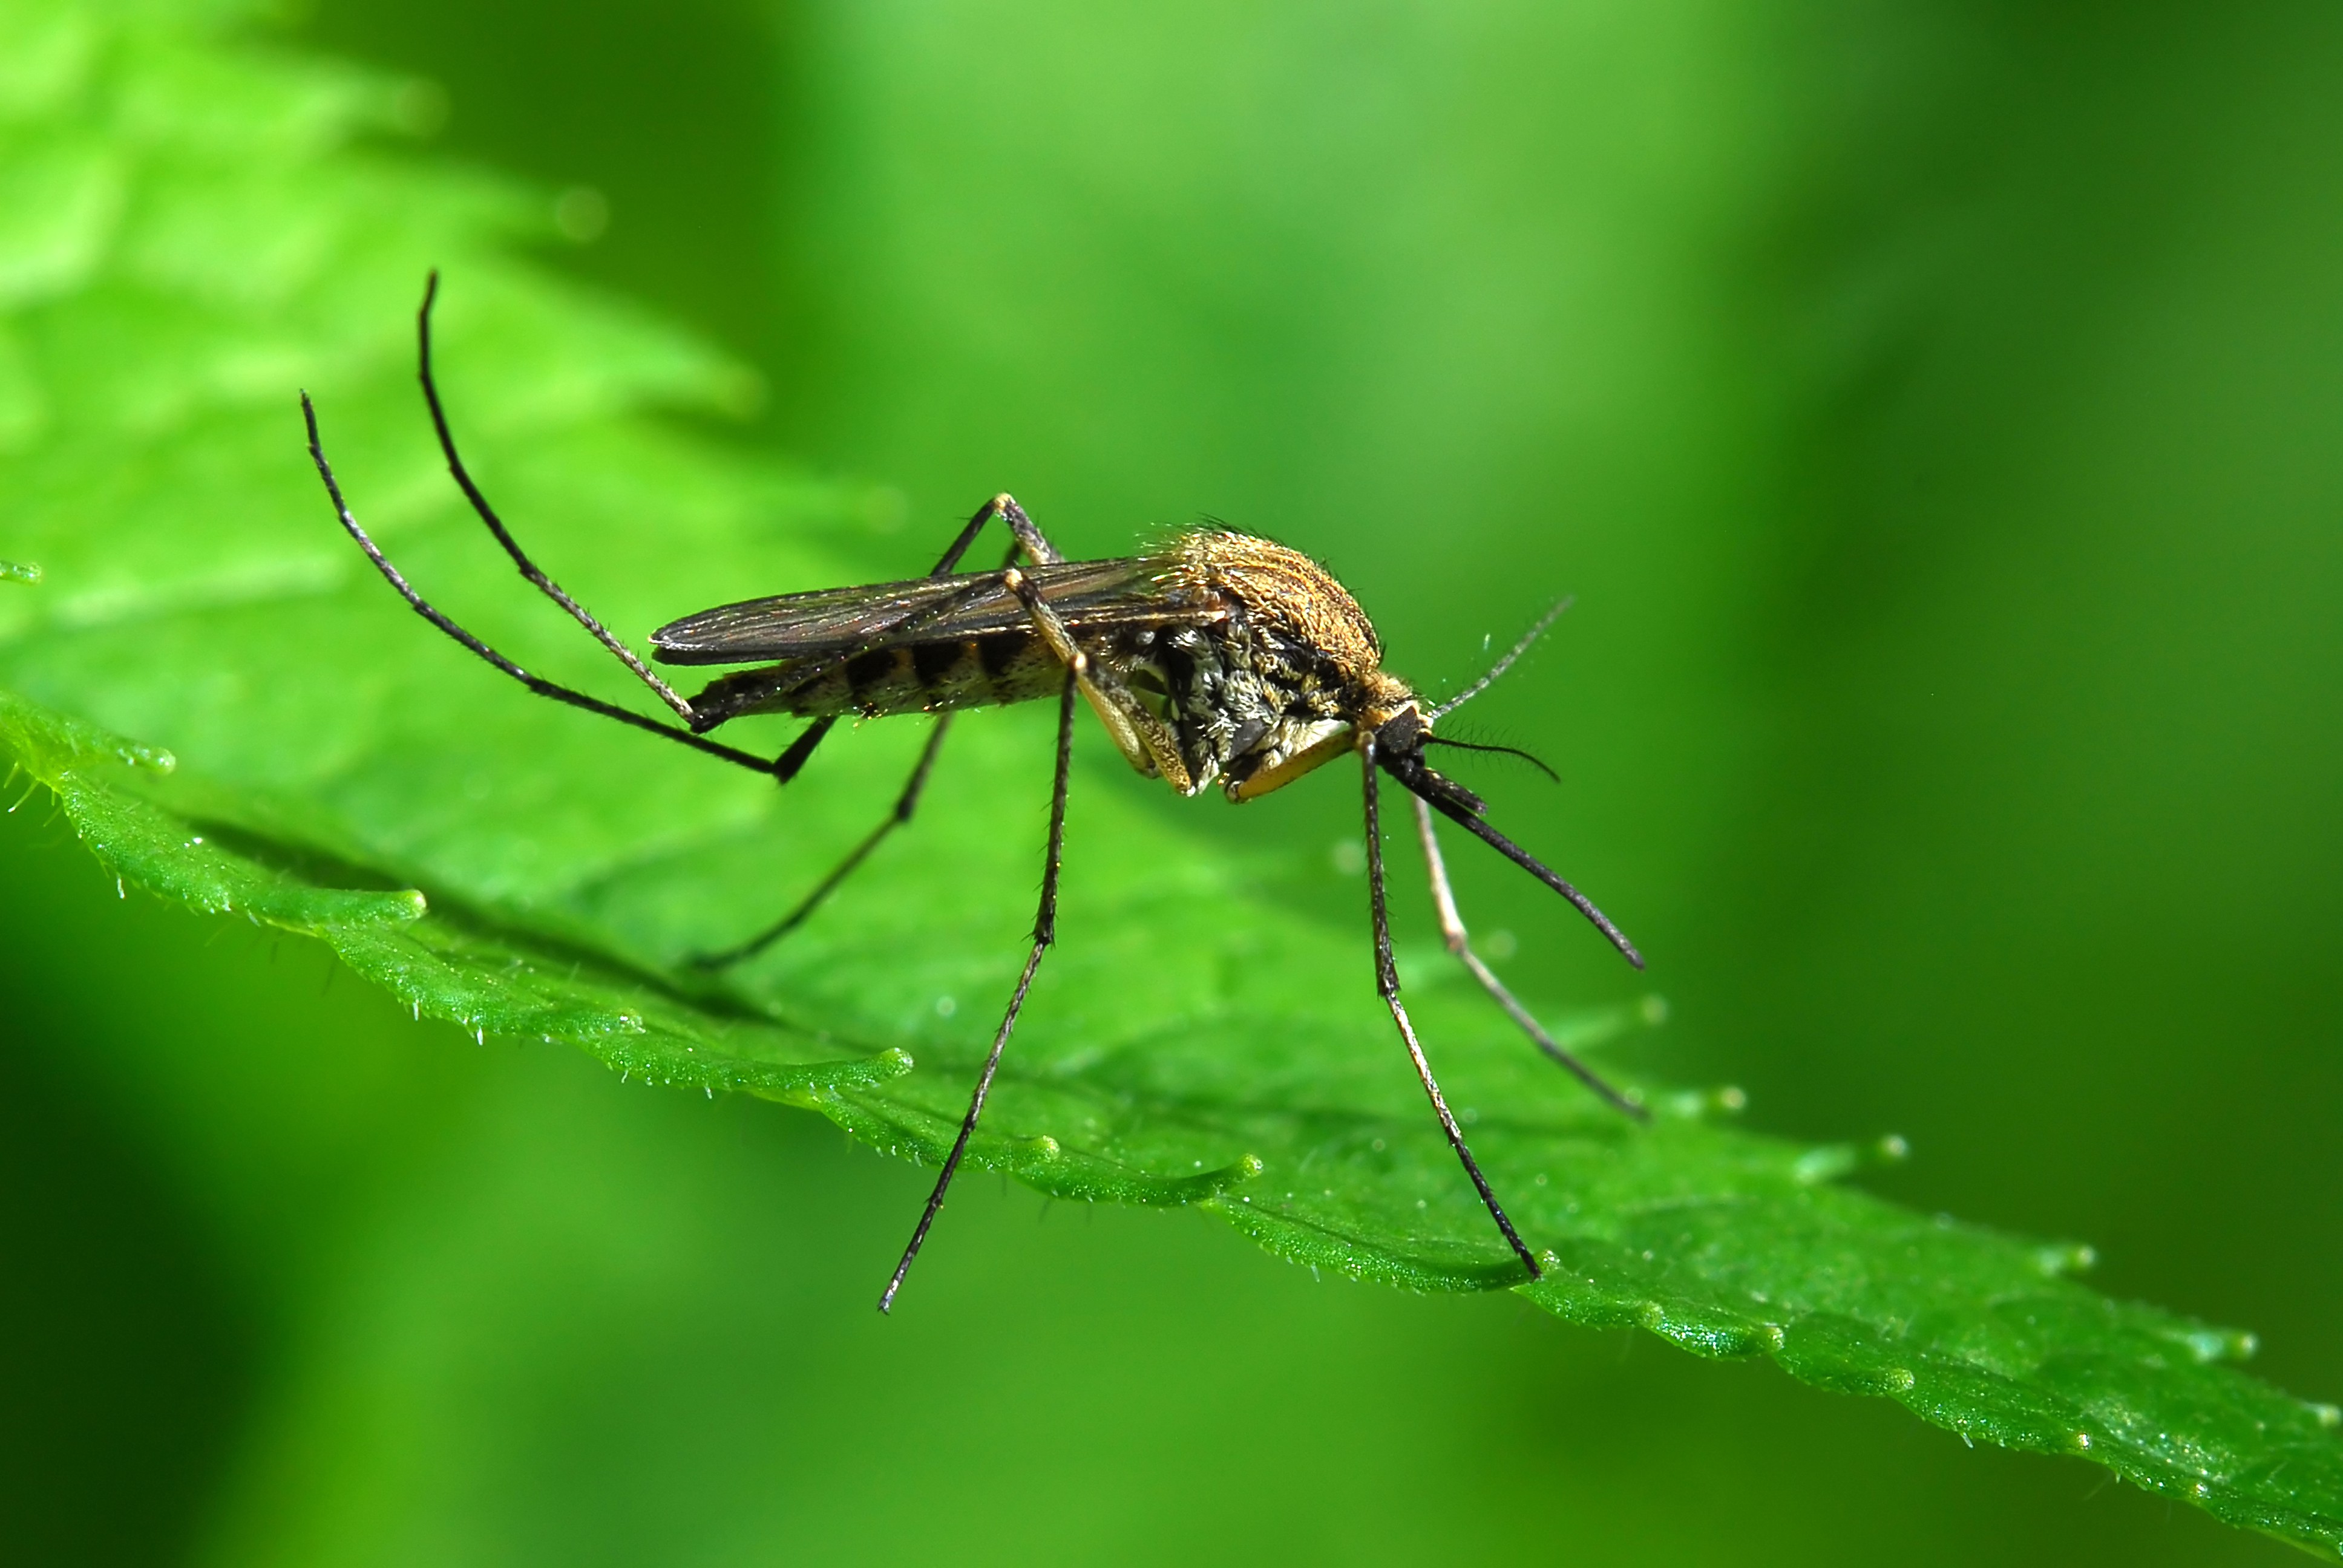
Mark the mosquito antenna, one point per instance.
(1498, 668)
(1507, 751)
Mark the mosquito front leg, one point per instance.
(1142, 738)
(1045, 932)
(1038, 550)
(1451, 929)
(1387, 982)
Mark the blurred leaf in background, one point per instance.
(1707, 322)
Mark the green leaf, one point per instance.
(192, 231)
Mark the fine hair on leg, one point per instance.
(1387, 982)
(1451, 929)
(1045, 932)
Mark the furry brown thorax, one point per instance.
(1274, 670)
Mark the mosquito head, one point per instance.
(1400, 741)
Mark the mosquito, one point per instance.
(1219, 658)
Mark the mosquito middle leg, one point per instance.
(1036, 546)
(787, 766)
(1045, 933)
(1387, 982)
(1451, 929)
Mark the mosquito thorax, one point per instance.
(1264, 668)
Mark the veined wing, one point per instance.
(884, 615)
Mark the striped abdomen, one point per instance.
(909, 678)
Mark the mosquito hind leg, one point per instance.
(1045, 933)
(488, 514)
(1387, 982)
(1451, 929)
(541, 687)
(446, 623)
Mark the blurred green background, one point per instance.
(1934, 409)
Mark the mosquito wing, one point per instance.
(1085, 594)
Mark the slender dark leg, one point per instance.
(904, 806)
(529, 569)
(1038, 550)
(1451, 928)
(1144, 740)
(782, 769)
(785, 769)
(1045, 932)
(1387, 982)
(537, 684)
